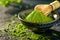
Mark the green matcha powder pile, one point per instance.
(38, 17)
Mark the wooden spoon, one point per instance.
(47, 9)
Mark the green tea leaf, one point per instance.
(6, 2)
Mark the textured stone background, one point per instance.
(5, 17)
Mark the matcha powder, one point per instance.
(38, 17)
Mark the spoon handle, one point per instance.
(55, 5)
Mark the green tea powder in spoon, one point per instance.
(38, 17)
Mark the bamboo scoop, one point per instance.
(46, 9)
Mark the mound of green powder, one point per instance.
(38, 17)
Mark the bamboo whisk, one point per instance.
(46, 9)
